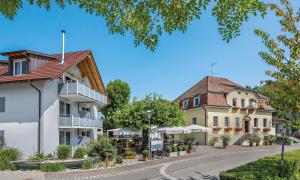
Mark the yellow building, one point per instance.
(227, 108)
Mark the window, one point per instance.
(265, 123)
(237, 122)
(185, 104)
(194, 120)
(2, 135)
(20, 67)
(2, 104)
(64, 109)
(64, 137)
(196, 101)
(216, 121)
(242, 103)
(226, 122)
(234, 101)
(255, 122)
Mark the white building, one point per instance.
(46, 101)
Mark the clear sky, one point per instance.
(179, 61)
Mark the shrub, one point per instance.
(168, 149)
(190, 139)
(119, 159)
(179, 148)
(80, 152)
(101, 148)
(174, 149)
(63, 151)
(53, 167)
(2, 144)
(253, 139)
(287, 140)
(225, 140)
(183, 148)
(11, 153)
(130, 154)
(87, 165)
(5, 164)
(213, 141)
(38, 156)
(145, 153)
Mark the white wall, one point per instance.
(20, 119)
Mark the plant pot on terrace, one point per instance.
(225, 140)
(146, 155)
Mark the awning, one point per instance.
(197, 128)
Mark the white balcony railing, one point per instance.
(76, 88)
(77, 122)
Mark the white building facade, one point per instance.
(50, 103)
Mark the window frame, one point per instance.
(237, 122)
(265, 123)
(234, 101)
(255, 122)
(226, 124)
(185, 102)
(243, 103)
(194, 118)
(21, 67)
(4, 104)
(194, 102)
(217, 121)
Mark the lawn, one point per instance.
(266, 168)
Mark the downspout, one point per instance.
(40, 114)
(205, 123)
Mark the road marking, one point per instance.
(162, 171)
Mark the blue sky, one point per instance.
(179, 61)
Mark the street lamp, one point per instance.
(149, 132)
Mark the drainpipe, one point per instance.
(205, 123)
(40, 114)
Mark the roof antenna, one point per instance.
(63, 47)
(211, 69)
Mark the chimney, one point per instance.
(63, 47)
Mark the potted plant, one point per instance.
(189, 149)
(213, 141)
(171, 151)
(181, 150)
(178, 150)
(190, 140)
(251, 140)
(217, 129)
(266, 140)
(257, 140)
(225, 140)
(238, 129)
(271, 139)
(267, 129)
(146, 155)
(227, 129)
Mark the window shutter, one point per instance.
(11, 67)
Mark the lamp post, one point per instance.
(149, 132)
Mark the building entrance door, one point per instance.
(246, 126)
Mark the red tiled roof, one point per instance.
(51, 70)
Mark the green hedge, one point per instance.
(266, 168)
(54, 167)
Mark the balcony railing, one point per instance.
(78, 122)
(76, 88)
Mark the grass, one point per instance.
(266, 168)
(53, 167)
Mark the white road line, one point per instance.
(162, 172)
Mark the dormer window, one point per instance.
(185, 104)
(196, 101)
(20, 67)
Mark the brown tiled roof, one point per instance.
(51, 70)
(210, 85)
(26, 52)
(213, 92)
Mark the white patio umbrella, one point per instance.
(124, 132)
(197, 128)
(173, 130)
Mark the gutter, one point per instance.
(205, 123)
(40, 115)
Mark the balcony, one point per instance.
(78, 122)
(81, 93)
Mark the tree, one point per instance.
(163, 114)
(119, 95)
(147, 20)
(283, 54)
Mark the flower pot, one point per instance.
(189, 151)
(225, 146)
(251, 144)
(266, 143)
(270, 143)
(146, 158)
(172, 154)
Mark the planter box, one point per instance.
(181, 153)
(172, 154)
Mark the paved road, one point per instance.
(205, 166)
(206, 163)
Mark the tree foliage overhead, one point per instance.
(148, 19)
(283, 53)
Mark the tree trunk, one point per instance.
(145, 138)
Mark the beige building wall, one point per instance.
(245, 116)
